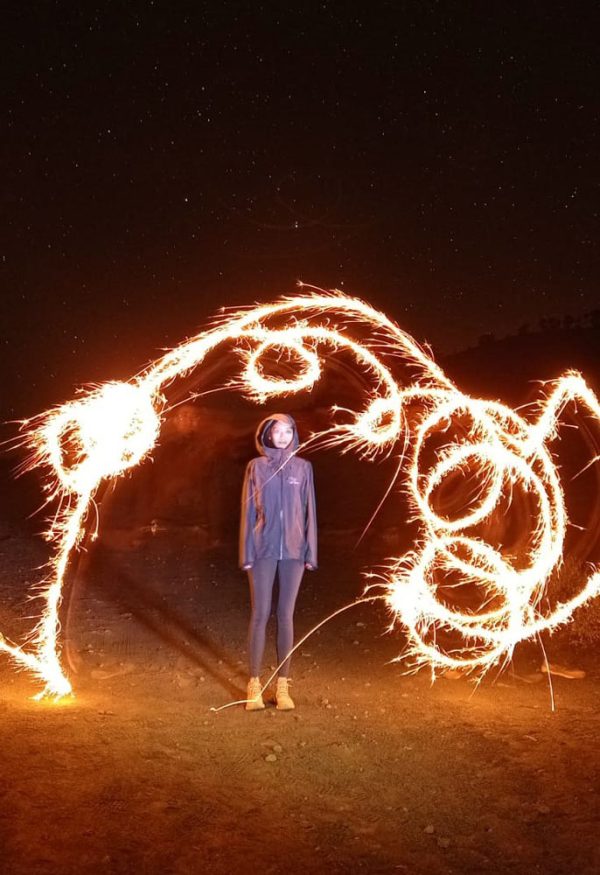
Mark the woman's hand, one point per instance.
(309, 567)
(246, 567)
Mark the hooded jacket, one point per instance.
(278, 519)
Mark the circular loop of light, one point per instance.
(261, 386)
(107, 432)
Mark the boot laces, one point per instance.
(254, 688)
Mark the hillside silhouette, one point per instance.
(511, 367)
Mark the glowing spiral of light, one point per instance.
(509, 453)
(114, 427)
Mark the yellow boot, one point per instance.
(254, 695)
(282, 694)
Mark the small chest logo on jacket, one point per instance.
(293, 481)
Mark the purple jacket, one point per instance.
(279, 519)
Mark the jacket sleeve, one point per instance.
(248, 518)
(311, 520)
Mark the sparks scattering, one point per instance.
(112, 428)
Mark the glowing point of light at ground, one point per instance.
(112, 428)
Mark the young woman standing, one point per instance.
(278, 537)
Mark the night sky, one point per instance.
(163, 159)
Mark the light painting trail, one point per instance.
(109, 430)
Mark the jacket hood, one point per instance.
(262, 437)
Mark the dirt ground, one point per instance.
(375, 771)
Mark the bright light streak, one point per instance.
(111, 429)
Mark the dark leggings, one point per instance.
(262, 578)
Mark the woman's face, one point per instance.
(281, 435)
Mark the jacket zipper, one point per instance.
(281, 515)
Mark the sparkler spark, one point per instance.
(109, 430)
